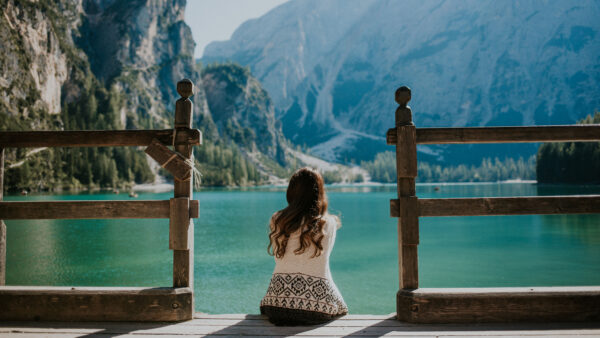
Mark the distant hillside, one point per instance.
(331, 68)
(109, 64)
(248, 133)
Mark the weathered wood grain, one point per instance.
(194, 208)
(2, 225)
(183, 260)
(179, 220)
(84, 209)
(586, 204)
(573, 133)
(406, 165)
(406, 152)
(170, 160)
(95, 304)
(90, 209)
(409, 266)
(255, 325)
(406, 207)
(473, 305)
(94, 138)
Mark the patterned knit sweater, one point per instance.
(303, 282)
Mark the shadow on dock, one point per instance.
(256, 325)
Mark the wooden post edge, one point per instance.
(2, 224)
(31, 303)
(183, 260)
(499, 305)
(179, 224)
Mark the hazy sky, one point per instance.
(213, 20)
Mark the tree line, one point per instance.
(570, 162)
(222, 164)
(81, 168)
(383, 169)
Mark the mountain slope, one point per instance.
(242, 110)
(331, 67)
(109, 64)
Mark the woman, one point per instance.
(301, 238)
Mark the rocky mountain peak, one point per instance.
(242, 109)
(333, 68)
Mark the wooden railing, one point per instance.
(105, 303)
(482, 304)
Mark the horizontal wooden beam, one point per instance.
(573, 133)
(472, 305)
(588, 204)
(93, 138)
(90, 209)
(95, 303)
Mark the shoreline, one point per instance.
(165, 187)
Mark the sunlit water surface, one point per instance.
(232, 268)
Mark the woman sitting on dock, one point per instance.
(301, 237)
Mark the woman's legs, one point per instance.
(292, 317)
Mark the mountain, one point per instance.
(331, 68)
(242, 110)
(109, 64)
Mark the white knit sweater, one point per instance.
(304, 263)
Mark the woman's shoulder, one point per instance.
(333, 220)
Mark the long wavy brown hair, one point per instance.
(307, 204)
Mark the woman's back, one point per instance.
(317, 266)
(301, 238)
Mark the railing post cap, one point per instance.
(185, 88)
(403, 95)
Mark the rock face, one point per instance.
(137, 50)
(331, 67)
(33, 64)
(142, 47)
(243, 111)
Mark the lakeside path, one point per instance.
(256, 325)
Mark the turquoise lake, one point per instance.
(232, 268)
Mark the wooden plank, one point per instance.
(566, 133)
(407, 208)
(95, 304)
(326, 330)
(474, 305)
(582, 204)
(179, 224)
(391, 137)
(406, 169)
(194, 209)
(406, 152)
(254, 325)
(93, 138)
(170, 160)
(573, 133)
(183, 260)
(84, 209)
(2, 224)
(409, 266)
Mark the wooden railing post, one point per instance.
(406, 165)
(183, 260)
(2, 225)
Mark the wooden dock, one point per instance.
(256, 325)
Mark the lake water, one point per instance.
(232, 268)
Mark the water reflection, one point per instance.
(555, 189)
(585, 228)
